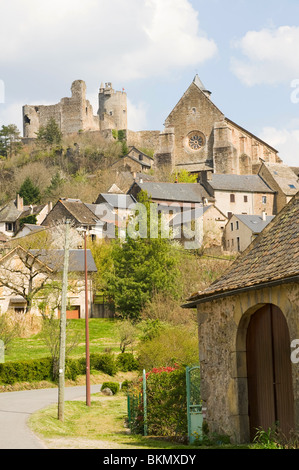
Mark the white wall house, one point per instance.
(242, 229)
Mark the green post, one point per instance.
(144, 404)
(188, 402)
(129, 410)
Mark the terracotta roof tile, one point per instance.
(272, 256)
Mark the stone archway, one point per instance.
(264, 373)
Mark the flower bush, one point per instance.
(166, 402)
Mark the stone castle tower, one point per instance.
(112, 108)
(72, 114)
(75, 114)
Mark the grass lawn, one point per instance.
(100, 426)
(103, 334)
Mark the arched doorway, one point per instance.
(269, 374)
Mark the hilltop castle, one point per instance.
(197, 136)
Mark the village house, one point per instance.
(239, 194)
(209, 220)
(247, 327)
(134, 161)
(14, 214)
(242, 229)
(174, 195)
(282, 179)
(31, 271)
(81, 217)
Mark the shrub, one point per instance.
(26, 371)
(167, 402)
(114, 386)
(104, 362)
(126, 362)
(172, 345)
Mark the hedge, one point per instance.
(36, 370)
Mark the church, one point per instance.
(198, 137)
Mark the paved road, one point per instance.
(16, 407)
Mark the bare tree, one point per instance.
(24, 274)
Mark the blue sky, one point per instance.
(245, 52)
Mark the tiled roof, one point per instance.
(284, 177)
(244, 183)
(54, 259)
(272, 256)
(79, 211)
(117, 201)
(176, 192)
(254, 222)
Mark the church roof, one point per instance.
(198, 82)
(272, 258)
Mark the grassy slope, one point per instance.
(103, 334)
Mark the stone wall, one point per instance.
(71, 114)
(143, 139)
(194, 114)
(222, 328)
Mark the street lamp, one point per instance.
(86, 320)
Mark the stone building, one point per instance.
(72, 114)
(242, 229)
(239, 194)
(282, 179)
(112, 108)
(248, 326)
(197, 136)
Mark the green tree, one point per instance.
(10, 142)
(50, 134)
(142, 266)
(183, 176)
(29, 192)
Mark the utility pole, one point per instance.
(86, 327)
(62, 339)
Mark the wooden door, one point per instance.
(270, 389)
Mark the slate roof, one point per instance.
(10, 212)
(118, 201)
(54, 259)
(285, 177)
(272, 257)
(243, 183)
(79, 211)
(176, 192)
(255, 222)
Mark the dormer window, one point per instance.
(9, 226)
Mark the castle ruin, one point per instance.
(75, 114)
(197, 136)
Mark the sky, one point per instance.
(246, 52)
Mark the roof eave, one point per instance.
(241, 290)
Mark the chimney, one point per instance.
(20, 204)
(50, 206)
(264, 216)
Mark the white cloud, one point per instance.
(271, 56)
(137, 116)
(11, 114)
(132, 39)
(286, 141)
